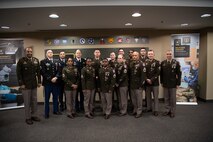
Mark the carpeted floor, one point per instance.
(191, 124)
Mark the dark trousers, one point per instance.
(79, 104)
(48, 89)
(61, 96)
(97, 90)
(115, 102)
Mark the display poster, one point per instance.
(10, 52)
(186, 51)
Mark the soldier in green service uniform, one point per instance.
(107, 78)
(29, 78)
(170, 78)
(122, 84)
(137, 80)
(71, 78)
(88, 87)
(152, 82)
(115, 97)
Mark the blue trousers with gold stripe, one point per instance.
(48, 89)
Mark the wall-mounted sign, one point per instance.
(181, 51)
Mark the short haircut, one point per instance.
(30, 47)
(97, 49)
(105, 59)
(143, 48)
(49, 51)
(88, 58)
(121, 55)
(78, 50)
(120, 49)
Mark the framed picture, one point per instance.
(186, 40)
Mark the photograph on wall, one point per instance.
(10, 95)
(186, 51)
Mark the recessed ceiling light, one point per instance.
(5, 27)
(205, 15)
(63, 25)
(128, 24)
(53, 16)
(136, 14)
(185, 24)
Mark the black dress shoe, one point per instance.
(70, 116)
(57, 113)
(134, 113)
(155, 113)
(122, 114)
(29, 121)
(46, 116)
(89, 116)
(35, 118)
(61, 109)
(138, 116)
(107, 116)
(172, 115)
(166, 113)
(74, 114)
(148, 110)
(91, 113)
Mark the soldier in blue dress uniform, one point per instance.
(49, 72)
(61, 63)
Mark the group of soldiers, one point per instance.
(81, 79)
